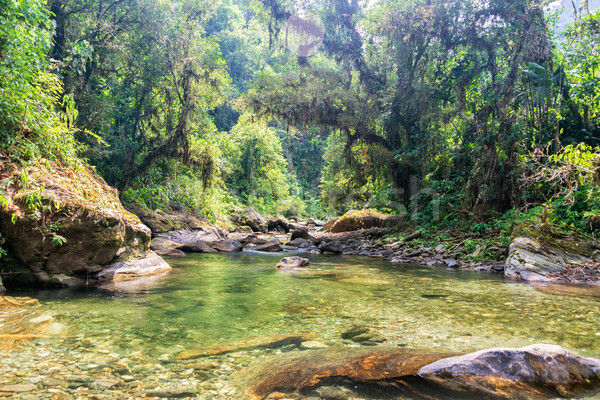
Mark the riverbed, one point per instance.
(122, 340)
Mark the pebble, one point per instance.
(18, 388)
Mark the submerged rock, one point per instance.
(292, 262)
(250, 343)
(530, 260)
(537, 371)
(170, 253)
(309, 368)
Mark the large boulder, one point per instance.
(151, 264)
(279, 224)
(530, 260)
(536, 371)
(291, 373)
(251, 218)
(332, 247)
(301, 233)
(354, 220)
(65, 227)
(160, 221)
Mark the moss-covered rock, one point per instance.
(63, 226)
(358, 219)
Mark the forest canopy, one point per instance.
(478, 109)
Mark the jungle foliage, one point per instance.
(475, 109)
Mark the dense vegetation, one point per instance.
(475, 109)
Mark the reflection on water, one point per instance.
(210, 299)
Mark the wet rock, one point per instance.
(271, 246)
(299, 242)
(537, 371)
(293, 372)
(21, 320)
(199, 246)
(251, 218)
(104, 384)
(159, 243)
(152, 264)
(529, 260)
(18, 388)
(301, 233)
(292, 262)
(363, 335)
(173, 393)
(333, 247)
(170, 253)
(354, 220)
(227, 246)
(252, 239)
(250, 343)
(451, 262)
(334, 393)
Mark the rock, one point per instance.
(362, 334)
(280, 223)
(292, 262)
(173, 393)
(293, 372)
(199, 246)
(333, 247)
(92, 229)
(2, 288)
(529, 260)
(206, 234)
(334, 393)
(104, 384)
(451, 262)
(327, 226)
(536, 371)
(299, 242)
(161, 222)
(271, 341)
(151, 264)
(301, 233)
(252, 219)
(440, 248)
(354, 220)
(170, 253)
(271, 246)
(252, 239)
(227, 246)
(18, 388)
(159, 243)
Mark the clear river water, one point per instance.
(131, 330)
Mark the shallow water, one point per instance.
(210, 299)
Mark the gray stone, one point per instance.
(199, 246)
(227, 246)
(252, 239)
(271, 246)
(299, 242)
(170, 253)
(334, 247)
(293, 262)
(518, 372)
(151, 264)
(183, 236)
(161, 243)
(252, 219)
(451, 262)
(300, 233)
(529, 260)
